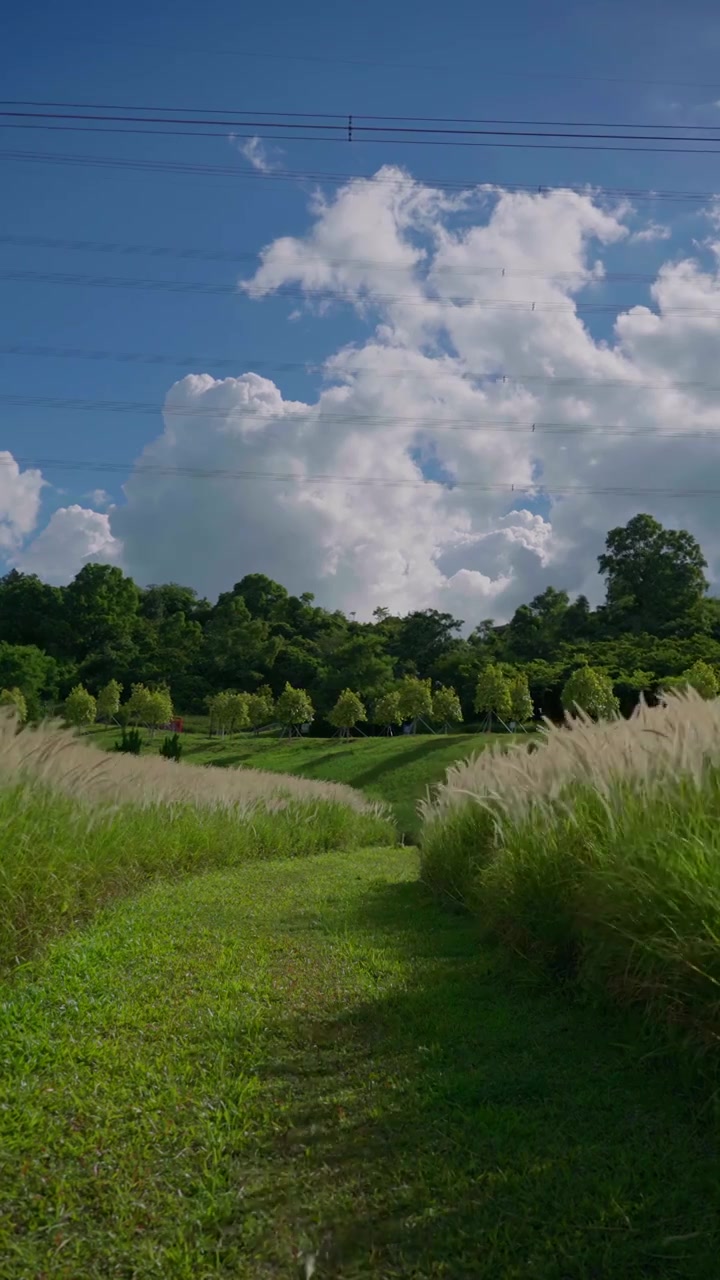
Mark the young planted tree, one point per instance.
(346, 713)
(108, 700)
(590, 691)
(219, 712)
(15, 699)
(152, 707)
(415, 700)
(446, 708)
(293, 709)
(521, 704)
(238, 712)
(261, 709)
(387, 711)
(492, 696)
(80, 707)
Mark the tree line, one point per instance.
(656, 626)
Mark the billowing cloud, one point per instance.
(410, 479)
(74, 536)
(20, 494)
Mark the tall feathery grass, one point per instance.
(77, 828)
(599, 855)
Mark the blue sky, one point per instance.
(559, 61)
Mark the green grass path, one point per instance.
(308, 1064)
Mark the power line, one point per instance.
(413, 421)
(342, 116)
(349, 133)
(125, 249)
(216, 473)
(253, 363)
(195, 169)
(141, 283)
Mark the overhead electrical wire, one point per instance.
(21, 276)
(125, 249)
(194, 169)
(413, 421)
(343, 116)
(352, 129)
(252, 363)
(216, 473)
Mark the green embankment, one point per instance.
(397, 770)
(308, 1067)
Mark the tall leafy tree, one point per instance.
(31, 613)
(655, 576)
(27, 668)
(100, 606)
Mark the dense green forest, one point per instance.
(657, 620)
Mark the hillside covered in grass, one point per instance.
(395, 770)
(78, 828)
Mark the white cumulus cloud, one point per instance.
(20, 495)
(74, 536)
(410, 479)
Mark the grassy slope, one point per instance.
(397, 770)
(293, 1058)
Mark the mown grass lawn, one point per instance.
(307, 1067)
(397, 770)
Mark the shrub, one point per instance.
(130, 742)
(171, 747)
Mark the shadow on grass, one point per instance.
(475, 1124)
(400, 761)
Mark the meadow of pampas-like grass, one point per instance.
(77, 828)
(598, 854)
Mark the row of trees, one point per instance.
(500, 696)
(656, 622)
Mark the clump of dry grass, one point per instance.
(598, 853)
(77, 828)
(56, 757)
